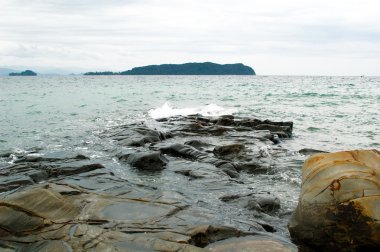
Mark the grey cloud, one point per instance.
(329, 33)
(105, 33)
(69, 5)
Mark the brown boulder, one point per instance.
(339, 205)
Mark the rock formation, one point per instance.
(176, 193)
(339, 205)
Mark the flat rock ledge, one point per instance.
(67, 201)
(339, 205)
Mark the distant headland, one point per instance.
(25, 73)
(206, 68)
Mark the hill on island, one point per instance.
(24, 73)
(207, 68)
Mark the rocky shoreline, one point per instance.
(187, 190)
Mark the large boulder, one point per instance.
(339, 205)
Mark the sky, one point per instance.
(275, 37)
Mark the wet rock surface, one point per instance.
(146, 160)
(339, 203)
(32, 168)
(257, 243)
(180, 184)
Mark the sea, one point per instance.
(59, 113)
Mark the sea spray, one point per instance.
(168, 110)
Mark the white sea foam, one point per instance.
(265, 151)
(167, 110)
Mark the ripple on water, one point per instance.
(328, 95)
(34, 112)
(313, 129)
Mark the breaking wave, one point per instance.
(167, 110)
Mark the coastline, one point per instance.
(212, 177)
(198, 157)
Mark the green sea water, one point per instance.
(329, 113)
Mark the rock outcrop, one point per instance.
(339, 205)
(153, 189)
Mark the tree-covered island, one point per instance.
(207, 68)
(24, 73)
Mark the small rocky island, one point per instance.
(206, 68)
(24, 73)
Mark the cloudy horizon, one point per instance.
(292, 37)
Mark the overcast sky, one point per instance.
(292, 37)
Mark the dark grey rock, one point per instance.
(11, 182)
(198, 144)
(38, 175)
(308, 151)
(229, 151)
(121, 206)
(146, 160)
(254, 166)
(68, 169)
(229, 169)
(139, 136)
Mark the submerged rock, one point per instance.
(339, 204)
(264, 204)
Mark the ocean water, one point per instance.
(329, 113)
(54, 114)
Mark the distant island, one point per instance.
(25, 73)
(207, 68)
(102, 73)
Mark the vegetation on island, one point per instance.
(207, 68)
(102, 73)
(24, 73)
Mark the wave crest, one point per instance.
(167, 110)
